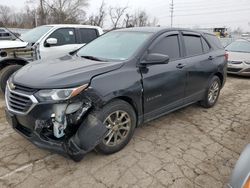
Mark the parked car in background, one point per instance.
(96, 97)
(239, 57)
(240, 177)
(226, 41)
(6, 35)
(48, 41)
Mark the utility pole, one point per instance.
(172, 11)
(42, 17)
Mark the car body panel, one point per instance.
(8, 44)
(241, 171)
(59, 74)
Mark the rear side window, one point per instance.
(87, 35)
(193, 45)
(214, 41)
(206, 47)
(168, 46)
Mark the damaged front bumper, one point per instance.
(55, 127)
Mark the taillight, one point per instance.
(226, 56)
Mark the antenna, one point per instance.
(172, 11)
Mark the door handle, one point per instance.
(180, 66)
(210, 57)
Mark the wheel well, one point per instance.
(129, 101)
(220, 77)
(8, 62)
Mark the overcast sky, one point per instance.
(187, 13)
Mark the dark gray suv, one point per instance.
(96, 97)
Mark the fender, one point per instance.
(12, 61)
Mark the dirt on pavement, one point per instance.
(192, 147)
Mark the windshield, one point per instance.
(115, 45)
(35, 34)
(239, 46)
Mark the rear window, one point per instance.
(193, 45)
(214, 41)
(87, 35)
(206, 47)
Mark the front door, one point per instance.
(66, 42)
(164, 85)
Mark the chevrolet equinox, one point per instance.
(97, 96)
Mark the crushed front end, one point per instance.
(28, 53)
(62, 126)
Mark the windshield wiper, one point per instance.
(91, 58)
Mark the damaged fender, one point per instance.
(88, 136)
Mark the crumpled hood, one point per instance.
(64, 72)
(6, 44)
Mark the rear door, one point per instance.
(198, 64)
(86, 35)
(164, 85)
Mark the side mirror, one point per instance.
(51, 41)
(155, 58)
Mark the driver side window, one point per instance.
(64, 36)
(168, 46)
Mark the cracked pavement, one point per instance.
(192, 147)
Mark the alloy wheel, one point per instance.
(213, 92)
(118, 124)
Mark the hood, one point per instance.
(238, 56)
(5, 44)
(64, 72)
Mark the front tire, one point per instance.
(5, 73)
(120, 119)
(212, 93)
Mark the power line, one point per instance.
(214, 12)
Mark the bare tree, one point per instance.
(139, 19)
(5, 14)
(116, 14)
(128, 20)
(65, 11)
(98, 20)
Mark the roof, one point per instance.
(159, 29)
(74, 25)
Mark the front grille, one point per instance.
(18, 102)
(233, 69)
(235, 62)
(24, 89)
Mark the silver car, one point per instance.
(239, 57)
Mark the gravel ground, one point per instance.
(193, 147)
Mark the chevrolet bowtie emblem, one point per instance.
(12, 86)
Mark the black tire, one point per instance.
(111, 108)
(5, 73)
(206, 102)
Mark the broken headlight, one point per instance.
(60, 94)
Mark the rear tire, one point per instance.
(5, 74)
(212, 93)
(120, 119)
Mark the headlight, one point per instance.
(247, 62)
(60, 94)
